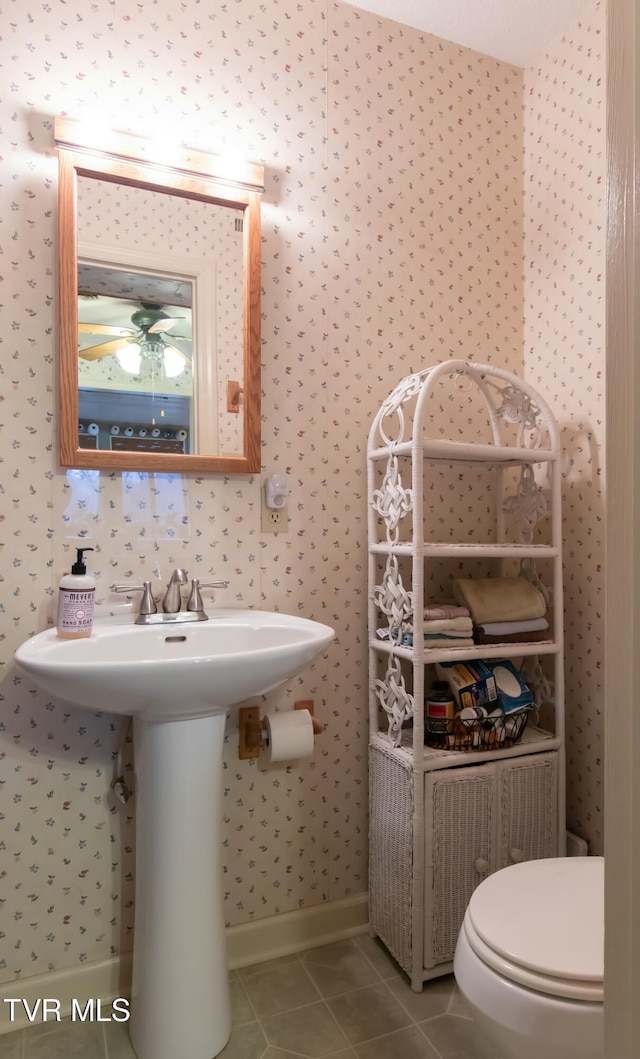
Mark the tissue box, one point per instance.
(472, 683)
(513, 693)
(494, 685)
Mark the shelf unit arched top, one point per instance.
(512, 405)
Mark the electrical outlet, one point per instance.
(274, 521)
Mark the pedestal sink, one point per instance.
(178, 682)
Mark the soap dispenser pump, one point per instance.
(76, 600)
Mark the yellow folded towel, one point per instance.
(500, 599)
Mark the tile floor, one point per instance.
(348, 1000)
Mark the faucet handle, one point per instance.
(194, 602)
(147, 603)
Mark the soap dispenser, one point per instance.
(76, 599)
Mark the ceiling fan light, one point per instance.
(174, 362)
(129, 358)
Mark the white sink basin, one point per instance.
(175, 672)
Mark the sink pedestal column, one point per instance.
(180, 1001)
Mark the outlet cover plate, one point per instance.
(274, 521)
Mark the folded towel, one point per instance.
(496, 628)
(500, 599)
(405, 638)
(446, 641)
(462, 640)
(444, 611)
(512, 637)
(453, 625)
(444, 635)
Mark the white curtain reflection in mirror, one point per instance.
(156, 503)
(83, 505)
(153, 506)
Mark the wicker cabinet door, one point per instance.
(528, 808)
(459, 851)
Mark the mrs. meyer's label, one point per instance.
(75, 609)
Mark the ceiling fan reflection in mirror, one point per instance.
(136, 309)
(142, 345)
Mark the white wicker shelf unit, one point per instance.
(442, 820)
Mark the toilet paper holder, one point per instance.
(251, 728)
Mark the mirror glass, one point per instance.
(159, 318)
(135, 375)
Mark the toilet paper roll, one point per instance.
(288, 736)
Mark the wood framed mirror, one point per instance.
(158, 308)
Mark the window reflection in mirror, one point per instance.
(135, 375)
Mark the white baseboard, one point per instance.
(306, 928)
(248, 943)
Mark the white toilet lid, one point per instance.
(544, 920)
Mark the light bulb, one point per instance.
(174, 362)
(129, 358)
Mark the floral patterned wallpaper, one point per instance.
(564, 355)
(392, 238)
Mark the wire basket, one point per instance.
(479, 733)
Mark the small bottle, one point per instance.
(439, 711)
(76, 599)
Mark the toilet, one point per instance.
(530, 958)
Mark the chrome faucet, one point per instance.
(172, 601)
